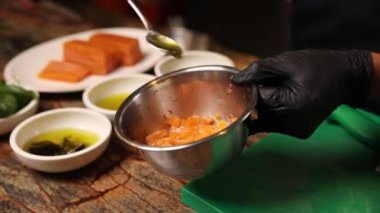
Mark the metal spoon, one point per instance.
(157, 39)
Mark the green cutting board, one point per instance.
(332, 171)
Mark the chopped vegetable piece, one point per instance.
(49, 148)
(128, 46)
(64, 71)
(45, 148)
(69, 147)
(22, 95)
(99, 60)
(13, 98)
(8, 105)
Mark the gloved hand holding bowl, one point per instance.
(299, 89)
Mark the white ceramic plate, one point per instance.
(24, 67)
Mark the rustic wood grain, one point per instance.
(118, 181)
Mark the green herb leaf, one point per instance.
(8, 105)
(71, 146)
(23, 96)
(45, 148)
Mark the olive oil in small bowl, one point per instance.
(61, 140)
(106, 96)
(112, 102)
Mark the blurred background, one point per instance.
(252, 26)
(256, 27)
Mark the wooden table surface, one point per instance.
(118, 181)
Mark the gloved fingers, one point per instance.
(246, 76)
(260, 74)
(269, 96)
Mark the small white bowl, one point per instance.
(191, 58)
(57, 119)
(7, 124)
(112, 86)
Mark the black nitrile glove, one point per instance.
(299, 89)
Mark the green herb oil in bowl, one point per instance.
(60, 142)
(112, 102)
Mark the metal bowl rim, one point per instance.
(159, 79)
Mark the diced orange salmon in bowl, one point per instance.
(187, 130)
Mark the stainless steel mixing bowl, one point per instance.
(202, 91)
